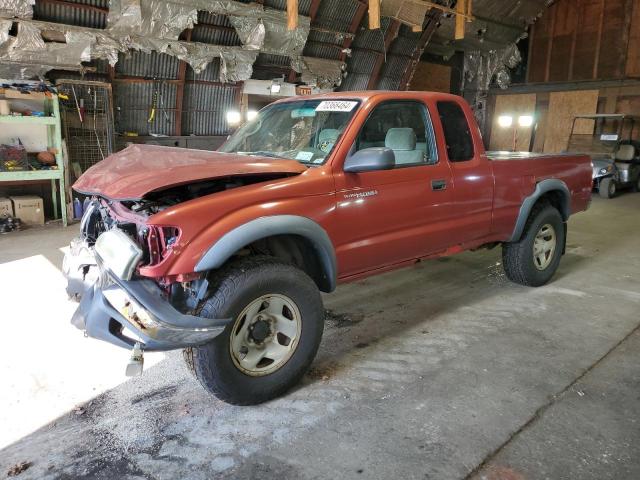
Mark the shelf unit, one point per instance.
(54, 139)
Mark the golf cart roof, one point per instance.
(607, 115)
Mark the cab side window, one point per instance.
(403, 127)
(457, 134)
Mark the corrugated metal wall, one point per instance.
(205, 107)
(132, 107)
(66, 12)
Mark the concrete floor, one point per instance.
(444, 371)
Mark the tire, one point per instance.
(520, 263)
(608, 188)
(235, 289)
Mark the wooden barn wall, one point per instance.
(431, 77)
(554, 111)
(586, 40)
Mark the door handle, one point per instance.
(438, 185)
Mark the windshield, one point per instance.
(305, 130)
(600, 135)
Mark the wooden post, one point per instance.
(461, 10)
(374, 14)
(292, 14)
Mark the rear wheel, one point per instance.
(608, 188)
(278, 320)
(534, 259)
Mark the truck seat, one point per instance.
(403, 143)
(625, 154)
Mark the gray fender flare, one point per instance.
(543, 187)
(264, 227)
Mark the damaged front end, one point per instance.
(117, 304)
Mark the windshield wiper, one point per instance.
(262, 153)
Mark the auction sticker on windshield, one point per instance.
(335, 106)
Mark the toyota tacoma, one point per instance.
(224, 254)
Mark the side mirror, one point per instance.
(370, 159)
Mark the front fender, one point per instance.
(269, 226)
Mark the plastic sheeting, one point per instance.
(16, 8)
(321, 72)
(152, 25)
(150, 18)
(250, 30)
(480, 68)
(5, 26)
(236, 63)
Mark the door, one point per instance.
(471, 172)
(389, 216)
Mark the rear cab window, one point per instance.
(457, 133)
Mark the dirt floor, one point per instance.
(440, 371)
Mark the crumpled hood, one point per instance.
(140, 169)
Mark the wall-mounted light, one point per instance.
(275, 87)
(251, 114)
(505, 121)
(525, 120)
(233, 117)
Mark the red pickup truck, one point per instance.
(224, 254)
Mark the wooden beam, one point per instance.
(433, 20)
(532, 36)
(599, 40)
(553, 9)
(292, 14)
(182, 76)
(313, 9)
(466, 13)
(353, 28)
(574, 37)
(374, 14)
(461, 9)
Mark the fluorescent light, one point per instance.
(233, 117)
(525, 120)
(275, 87)
(251, 114)
(505, 121)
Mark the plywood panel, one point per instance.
(633, 51)
(513, 105)
(431, 77)
(563, 107)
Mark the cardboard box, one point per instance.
(6, 208)
(28, 208)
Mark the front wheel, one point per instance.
(278, 320)
(608, 188)
(534, 259)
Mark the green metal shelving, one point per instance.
(54, 139)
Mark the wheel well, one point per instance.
(294, 249)
(558, 200)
